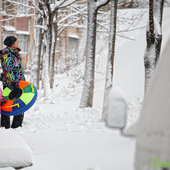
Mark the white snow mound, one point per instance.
(14, 151)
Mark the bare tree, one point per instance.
(55, 24)
(153, 39)
(88, 88)
(50, 23)
(111, 53)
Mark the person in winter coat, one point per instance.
(12, 73)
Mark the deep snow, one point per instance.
(14, 151)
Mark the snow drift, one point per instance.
(14, 151)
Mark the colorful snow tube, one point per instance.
(18, 100)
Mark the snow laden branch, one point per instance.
(101, 3)
(52, 18)
(18, 3)
(67, 3)
(73, 14)
(11, 11)
(36, 7)
(130, 23)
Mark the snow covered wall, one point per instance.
(153, 135)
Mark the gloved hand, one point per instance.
(16, 92)
(15, 85)
(2, 101)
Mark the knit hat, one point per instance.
(9, 41)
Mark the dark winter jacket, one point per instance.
(11, 66)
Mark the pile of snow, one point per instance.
(94, 168)
(14, 151)
(116, 108)
(80, 150)
(134, 109)
(75, 120)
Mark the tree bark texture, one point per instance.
(87, 95)
(153, 39)
(111, 53)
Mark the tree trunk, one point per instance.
(39, 53)
(50, 32)
(53, 57)
(149, 59)
(153, 39)
(88, 88)
(158, 37)
(46, 81)
(110, 60)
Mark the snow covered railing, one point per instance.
(14, 151)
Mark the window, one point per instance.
(23, 42)
(72, 18)
(73, 44)
(23, 7)
(3, 5)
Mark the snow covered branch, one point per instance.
(67, 3)
(73, 14)
(101, 3)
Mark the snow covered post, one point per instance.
(88, 88)
(110, 60)
(154, 38)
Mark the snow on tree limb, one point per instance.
(36, 7)
(41, 27)
(67, 3)
(68, 16)
(101, 3)
(18, 3)
(56, 5)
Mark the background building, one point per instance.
(18, 20)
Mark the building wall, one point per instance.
(20, 27)
(22, 24)
(25, 26)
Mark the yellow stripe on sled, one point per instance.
(12, 105)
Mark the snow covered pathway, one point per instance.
(80, 150)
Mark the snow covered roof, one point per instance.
(23, 32)
(73, 36)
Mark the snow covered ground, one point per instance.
(63, 137)
(80, 151)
